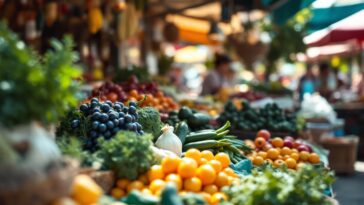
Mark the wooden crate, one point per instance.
(342, 153)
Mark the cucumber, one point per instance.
(198, 120)
(184, 113)
(182, 131)
(169, 196)
(201, 136)
(201, 145)
(136, 197)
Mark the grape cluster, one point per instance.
(106, 119)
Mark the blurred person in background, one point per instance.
(327, 81)
(221, 76)
(307, 83)
(360, 89)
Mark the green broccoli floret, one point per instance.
(150, 120)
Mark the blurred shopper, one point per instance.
(307, 83)
(218, 78)
(360, 89)
(327, 81)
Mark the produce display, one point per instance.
(100, 119)
(306, 186)
(270, 117)
(147, 92)
(281, 152)
(198, 172)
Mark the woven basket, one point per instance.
(25, 186)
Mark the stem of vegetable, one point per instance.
(221, 134)
(223, 128)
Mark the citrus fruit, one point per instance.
(273, 154)
(216, 165)
(262, 154)
(155, 172)
(208, 155)
(291, 163)
(192, 184)
(278, 163)
(217, 198)
(176, 179)
(157, 185)
(286, 151)
(314, 158)
(277, 142)
(304, 155)
(222, 179)
(194, 154)
(187, 168)
(223, 158)
(170, 164)
(258, 160)
(206, 173)
(135, 185)
(211, 189)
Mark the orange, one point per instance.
(314, 158)
(202, 161)
(135, 185)
(273, 154)
(211, 189)
(229, 172)
(286, 157)
(122, 183)
(155, 172)
(157, 185)
(192, 184)
(295, 156)
(143, 178)
(277, 142)
(176, 179)
(222, 179)
(216, 165)
(304, 155)
(262, 154)
(277, 163)
(208, 155)
(187, 168)
(217, 198)
(291, 163)
(194, 154)
(117, 193)
(170, 164)
(258, 160)
(223, 158)
(259, 142)
(294, 150)
(206, 173)
(206, 196)
(286, 151)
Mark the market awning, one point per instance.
(288, 9)
(350, 28)
(324, 17)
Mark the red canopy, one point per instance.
(349, 28)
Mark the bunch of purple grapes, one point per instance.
(106, 119)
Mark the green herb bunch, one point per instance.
(127, 154)
(34, 87)
(305, 186)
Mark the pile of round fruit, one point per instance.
(279, 152)
(106, 119)
(198, 172)
(148, 93)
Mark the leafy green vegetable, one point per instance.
(127, 154)
(72, 147)
(34, 87)
(305, 186)
(150, 120)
